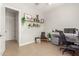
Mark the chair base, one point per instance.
(68, 50)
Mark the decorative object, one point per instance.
(29, 25)
(23, 19)
(52, 30)
(37, 18)
(34, 19)
(29, 17)
(42, 20)
(49, 35)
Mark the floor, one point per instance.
(39, 49)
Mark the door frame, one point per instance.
(18, 19)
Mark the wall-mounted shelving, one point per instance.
(32, 21)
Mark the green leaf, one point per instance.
(23, 19)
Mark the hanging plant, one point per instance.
(23, 19)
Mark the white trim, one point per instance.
(15, 9)
(10, 7)
(4, 51)
(26, 43)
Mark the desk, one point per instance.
(70, 37)
(55, 38)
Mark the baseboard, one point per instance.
(26, 43)
(4, 52)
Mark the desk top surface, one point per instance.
(72, 37)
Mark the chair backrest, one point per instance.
(62, 38)
(42, 35)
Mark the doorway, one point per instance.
(11, 25)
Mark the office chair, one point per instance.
(66, 45)
(63, 39)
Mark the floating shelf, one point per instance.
(34, 21)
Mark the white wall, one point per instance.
(63, 16)
(2, 22)
(26, 35)
(2, 29)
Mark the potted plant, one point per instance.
(49, 36)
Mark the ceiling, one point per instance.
(43, 7)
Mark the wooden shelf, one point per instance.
(34, 21)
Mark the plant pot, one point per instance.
(49, 39)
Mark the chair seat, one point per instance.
(68, 48)
(71, 47)
(74, 47)
(44, 39)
